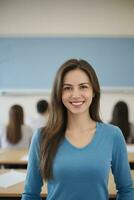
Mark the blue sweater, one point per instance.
(82, 173)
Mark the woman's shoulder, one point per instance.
(37, 135)
(108, 126)
(35, 142)
(110, 130)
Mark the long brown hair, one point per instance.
(14, 133)
(120, 117)
(54, 131)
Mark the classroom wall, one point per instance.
(67, 17)
(99, 18)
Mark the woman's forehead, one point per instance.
(76, 76)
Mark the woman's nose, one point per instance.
(76, 93)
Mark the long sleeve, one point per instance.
(34, 182)
(121, 168)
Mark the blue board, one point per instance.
(31, 62)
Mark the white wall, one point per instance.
(67, 17)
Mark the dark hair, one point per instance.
(13, 132)
(120, 118)
(54, 131)
(42, 106)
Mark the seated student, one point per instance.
(120, 118)
(16, 134)
(40, 120)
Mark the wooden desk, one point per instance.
(13, 157)
(16, 190)
(131, 156)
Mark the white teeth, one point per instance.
(77, 103)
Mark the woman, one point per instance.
(75, 151)
(120, 117)
(16, 134)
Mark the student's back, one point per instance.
(120, 118)
(23, 143)
(40, 120)
(16, 134)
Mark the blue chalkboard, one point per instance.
(31, 62)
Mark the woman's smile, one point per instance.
(77, 103)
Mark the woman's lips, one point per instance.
(77, 103)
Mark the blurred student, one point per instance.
(16, 134)
(120, 118)
(40, 120)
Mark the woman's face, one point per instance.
(77, 92)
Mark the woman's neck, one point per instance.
(80, 123)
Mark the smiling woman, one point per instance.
(77, 93)
(75, 152)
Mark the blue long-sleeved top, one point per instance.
(82, 173)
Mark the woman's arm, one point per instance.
(34, 182)
(121, 168)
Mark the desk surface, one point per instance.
(17, 189)
(13, 156)
(131, 157)
(131, 154)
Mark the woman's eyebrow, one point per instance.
(87, 83)
(67, 84)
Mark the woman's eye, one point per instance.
(83, 87)
(67, 88)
